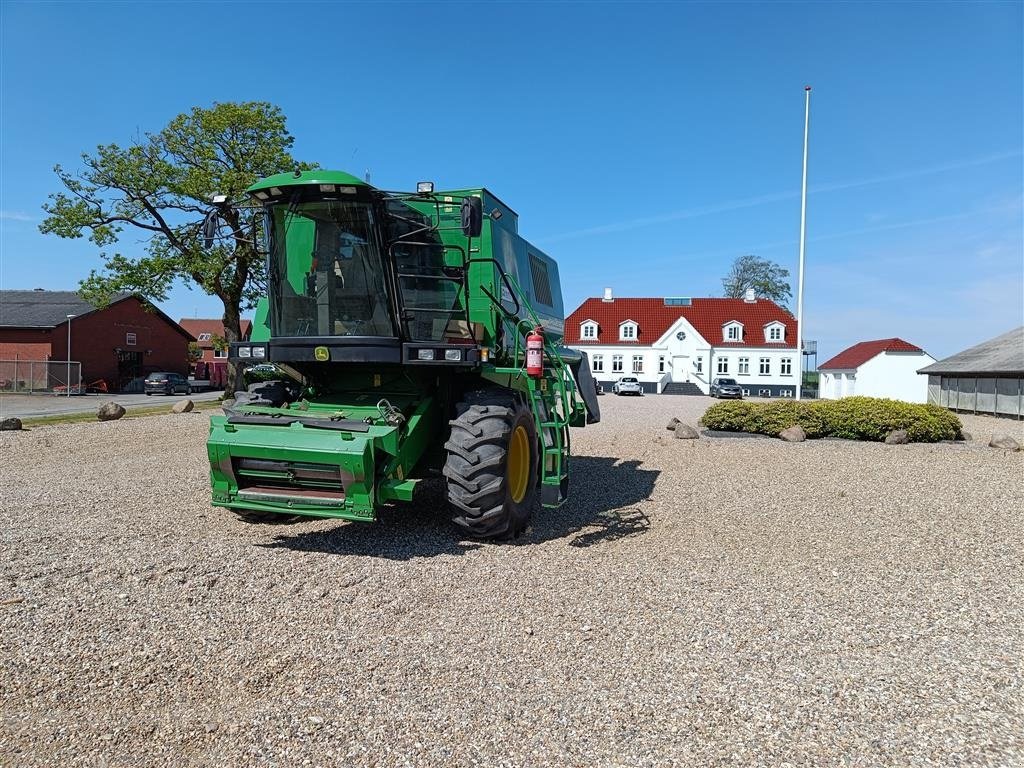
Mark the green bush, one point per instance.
(854, 418)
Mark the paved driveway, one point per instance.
(26, 406)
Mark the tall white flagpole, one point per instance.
(803, 240)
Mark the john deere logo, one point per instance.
(322, 354)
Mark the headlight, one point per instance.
(245, 351)
(453, 355)
(259, 352)
(424, 354)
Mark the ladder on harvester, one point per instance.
(552, 421)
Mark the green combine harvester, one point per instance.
(417, 335)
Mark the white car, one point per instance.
(628, 385)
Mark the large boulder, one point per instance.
(897, 437)
(182, 406)
(685, 432)
(672, 423)
(110, 412)
(1003, 440)
(11, 424)
(794, 434)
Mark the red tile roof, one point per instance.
(196, 326)
(707, 316)
(858, 354)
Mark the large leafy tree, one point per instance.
(160, 186)
(767, 278)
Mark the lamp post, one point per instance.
(803, 239)
(67, 381)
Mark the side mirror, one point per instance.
(472, 216)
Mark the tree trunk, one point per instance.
(233, 332)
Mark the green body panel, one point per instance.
(509, 287)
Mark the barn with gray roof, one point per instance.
(987, 378)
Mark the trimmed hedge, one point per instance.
(854, 418)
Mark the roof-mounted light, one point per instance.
(275, 191)
(262, 195)
(328, 188)
(424, 188)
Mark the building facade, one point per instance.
(681, 344)
(987, 378)
(879, 368)
(210, 334)
(119, 343)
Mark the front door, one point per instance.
(681, 368)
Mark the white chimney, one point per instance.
(607, 295)
(750, 297)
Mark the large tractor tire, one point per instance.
(492, 465)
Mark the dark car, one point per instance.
(726, 388)
(167, 383)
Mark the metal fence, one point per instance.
(28, 376)
(978, 394)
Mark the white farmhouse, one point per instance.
(678, 345)
(880, 368)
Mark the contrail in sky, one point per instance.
(750, 202)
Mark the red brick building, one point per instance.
(119, 343)
(207, 331)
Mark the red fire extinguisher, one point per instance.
(535, 353)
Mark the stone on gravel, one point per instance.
(1003, 440)
(10, 424)
(794, 434)
(110, 412)
(897, 437)
(183, 406)
(672, 423)
(966, 436)
(686, 432)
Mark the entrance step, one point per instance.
(681, 388)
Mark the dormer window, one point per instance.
(627, 331)
(588, 329)
(775, 332)
(732, 331)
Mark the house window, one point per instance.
(203, 337)
(786, 366)
(734, 332)
(785, 393)
(698, 365)
(746, 392)
(616, 363)
(129, 339)
(765, 367)
(743, 366)
(661, 364)
(627, 332)
(723, 365)
(220, 353)
(589, 331)
(764, 393)
(638, 363)
(598, 363)
(775, 333)
(541, 284)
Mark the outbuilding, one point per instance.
(119, 343)
(987, 378)
(879, 368)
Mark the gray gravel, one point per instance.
(735, 601)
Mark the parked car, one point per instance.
(167, 383)
(726, 388)
(628, 385)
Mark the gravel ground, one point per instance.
(732, 601)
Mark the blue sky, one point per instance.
(644, 145)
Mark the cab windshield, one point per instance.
(326, 271)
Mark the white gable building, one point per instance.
(681, 344)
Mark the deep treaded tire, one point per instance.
(265, 518)
(492, 497)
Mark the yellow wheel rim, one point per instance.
(518, 464)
